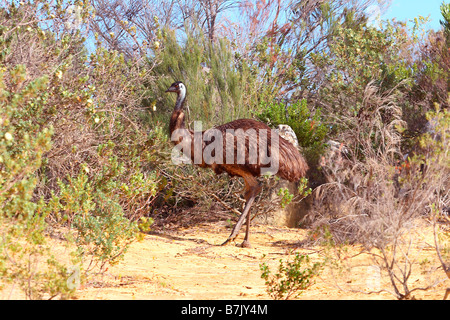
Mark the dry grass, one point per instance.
(375, 198)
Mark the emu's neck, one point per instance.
(176, 121)
(177, 118)
(181, 98)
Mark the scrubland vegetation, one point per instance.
(84, 146)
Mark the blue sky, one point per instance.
(409, 9)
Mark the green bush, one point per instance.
(26, 258)
(95, 210)
(103, 239)
(291, 279)
(73, 149)
(308, 126)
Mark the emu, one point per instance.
(238, 144)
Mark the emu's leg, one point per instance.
(252, 189)
(246, 243)
(238, 225)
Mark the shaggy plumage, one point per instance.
(240, 138)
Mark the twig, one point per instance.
(224, 204)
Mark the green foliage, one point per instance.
(22, 144)
(72, 148)
(445, 11)
(308, 126)
(105, 237)
(436, 141)
(291, 279)
(286, 196)
(360, 55)
(275, 68)
(302, 188)
(26, 258)
(95, 209)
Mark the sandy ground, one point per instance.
(190, 264)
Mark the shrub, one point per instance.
(103, 239)
(307, 125)
(94, 209)
(291, 279)
(373, 201)
(26, 258)
(73, 150)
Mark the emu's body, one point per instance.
(292, 165)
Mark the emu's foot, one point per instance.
(226, 242)
(232, 237)
(246, 244)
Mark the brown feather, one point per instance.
(291, 165)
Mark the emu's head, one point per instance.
(180, 89)
(177, 87)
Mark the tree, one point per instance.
(220, 88)
(126, 26)
(445, 11)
